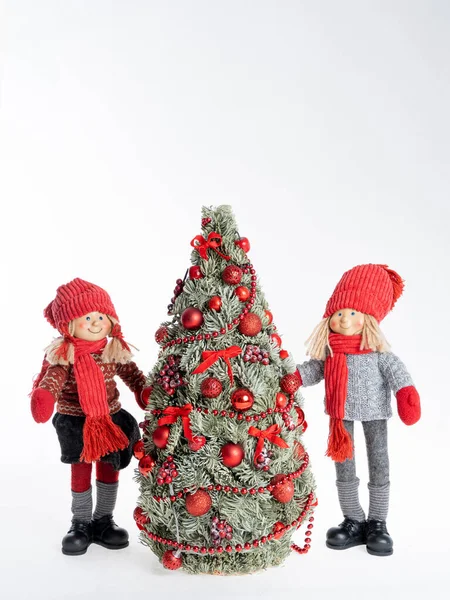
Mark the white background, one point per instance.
(326, 126)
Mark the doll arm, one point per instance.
(43, 398)
(311, 372)
(400, 381)
(135, 380)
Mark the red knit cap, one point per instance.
(370, 289)
(75, 299)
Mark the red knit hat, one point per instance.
(75, 299)
(370, 289)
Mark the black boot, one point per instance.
(379, 542)
(78, 539)
(348, 534)
(106, 533)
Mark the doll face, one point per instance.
(92, 327)
(347, 321)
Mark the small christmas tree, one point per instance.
(223, 476)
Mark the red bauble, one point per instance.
(197, 442)
(269, 316)
(284, 354)
(278, 530)
(242, 399)
(195, 273)
(211, 387)
(300, 415)
(232, 454)
(242, 292)
(215, 303)
(283, 493)
(250, 325)
(299, 451)
(290, 383)
(161, 436)
(138, 449)
(276, 338)
(232, 274)
(304, 426)
(161, 334)
(139, 517)
(281, 400)
(192, 318)
(199, 503)
(170, 561)
(244, 244)
(146, 465)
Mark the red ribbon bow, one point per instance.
(171, 415)
(271, 434)
(209, 357)
(214, 241)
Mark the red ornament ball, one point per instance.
(215, 303)
(284, 354)
(195, 273)
(299, 451)
(290, 383)
(211, 387)
(161, 436)
(300, 415)
(250, 325)
(269, 316)
(197, 442)
(146, 465)
(138, 449)
(139, 517)
(161, 334)
(242, 292)
(281, 401)
(278, 530)
(232, 274)
(192, 318)
(171, 561)
(243, 243)
(232, 454)
(199, 503)
(276, 338)
(284, 492)
(242, 399)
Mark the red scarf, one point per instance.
(340, 445)
(100, 435)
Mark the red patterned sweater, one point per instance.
(59, 380)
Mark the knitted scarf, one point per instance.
(100, 435)
(340, 445)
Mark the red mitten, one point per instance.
(142, 396)
(42, 403)
(408, 405)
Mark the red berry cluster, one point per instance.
(167, 472)
(264, 459)
(255, 354)
(170, 376)
(288, 421)
(220, 531)
(176, 292)
(206, 221)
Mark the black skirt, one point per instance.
(70, 435)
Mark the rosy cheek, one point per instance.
(334, 323)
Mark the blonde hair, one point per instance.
(372, 338)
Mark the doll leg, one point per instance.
(79, 536)
(379, 541)
(351, 532)
(105, 531)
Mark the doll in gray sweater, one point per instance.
(351, 354)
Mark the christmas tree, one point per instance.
(224, 478)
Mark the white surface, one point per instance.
(326, 126)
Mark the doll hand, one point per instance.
(42, 403)
(142, 396)
(408, 405)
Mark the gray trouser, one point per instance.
(347, 482)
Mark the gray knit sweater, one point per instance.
(371, 377)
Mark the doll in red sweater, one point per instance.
(78, 375)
